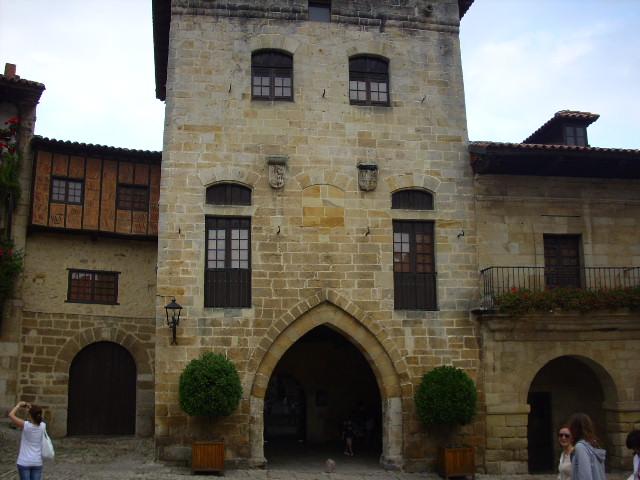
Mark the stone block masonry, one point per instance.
(322, 249)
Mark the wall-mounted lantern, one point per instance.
(173, 310)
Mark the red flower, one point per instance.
(514, 290)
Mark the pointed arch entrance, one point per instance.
(385, 377)
(102, 391)
(563, 386)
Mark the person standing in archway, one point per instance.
(633, 443)
(30, 456)
(588, 459)
(564, 466)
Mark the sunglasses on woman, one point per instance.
(564, 435)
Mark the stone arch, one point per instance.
(227, 173)
(329, 309)
(319, 176)
(607, 381)
(306, 305)
(98, 334)
(412, 180)
(144, 373)
(371, 47)
(274, 42)
(563, 385)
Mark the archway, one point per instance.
(564, 386)
(320, 382)
(102, 391)
(379, 352)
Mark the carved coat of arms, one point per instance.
(367, 176)
(277, 171)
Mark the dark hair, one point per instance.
(581, 428)
(36, 414)
(633, 439)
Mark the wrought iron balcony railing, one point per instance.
(499, 280)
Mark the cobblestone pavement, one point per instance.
(127, 458)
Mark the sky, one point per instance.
(523, 60)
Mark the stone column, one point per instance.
(621, 418)
(257, 432)
(392, 433)
(507, 439)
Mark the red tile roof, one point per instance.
(16, 89)
(479, 145)
(65, 146)
(586, 118)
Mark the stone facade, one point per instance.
(513, 214)
(321, 248)
(54, 330)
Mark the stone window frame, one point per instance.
(414, 265)
(76, 289)
(272, 64)
(223, 280)
(367, 70)
(68, 197)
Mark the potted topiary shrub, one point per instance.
(209, 387)
(447, 398)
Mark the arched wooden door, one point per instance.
(102, 391)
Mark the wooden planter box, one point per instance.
(207, 457)
(457, 462)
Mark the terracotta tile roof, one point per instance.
(586, 118)
(16, 89)
(549, 160)
(480, 145)
(69, 147)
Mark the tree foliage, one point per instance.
(446, 396)
(210, 386)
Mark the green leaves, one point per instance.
(446, 396)
(210, 386)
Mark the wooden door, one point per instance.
(102, 391)
(562, 261)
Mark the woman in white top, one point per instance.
(564, 467)
(633, 443)
(30, 456)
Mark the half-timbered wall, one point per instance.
(102, 179)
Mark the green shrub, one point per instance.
(210, 386)
(446, 396)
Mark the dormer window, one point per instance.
(575, 135)
(320, 11)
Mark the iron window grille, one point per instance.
(414, 273)
(228, 262)
(228, 194)
(93, 286)
(271, 75)
(368, 81)
(64, 190)
(133, 197)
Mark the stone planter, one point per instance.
(207, 457)
(457, 462)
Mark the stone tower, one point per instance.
(315, 186)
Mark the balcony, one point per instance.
(497, 281)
